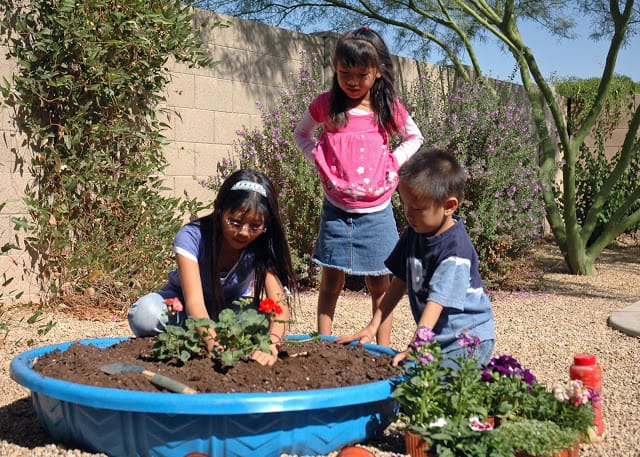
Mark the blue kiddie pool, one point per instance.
(125, 423)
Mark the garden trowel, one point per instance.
(155, 378)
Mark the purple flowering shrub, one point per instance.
(494, 138)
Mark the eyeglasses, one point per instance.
(252, 228)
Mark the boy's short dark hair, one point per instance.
(435, 173)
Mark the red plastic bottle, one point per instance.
(586, 369)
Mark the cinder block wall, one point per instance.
(255, 62)
(613, 144)
(14, 175)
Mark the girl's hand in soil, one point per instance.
(266, 359)
(364, 336)
(212, 344)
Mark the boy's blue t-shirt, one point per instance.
(444, 269)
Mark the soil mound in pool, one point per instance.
(303, 365)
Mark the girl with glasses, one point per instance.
(240, 250)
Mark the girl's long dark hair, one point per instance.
(365, 48)
(270, 250)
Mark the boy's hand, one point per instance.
(400, 357)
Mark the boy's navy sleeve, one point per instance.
(396, 262)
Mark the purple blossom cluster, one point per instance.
(422, 345)
(507, 365)
(424, 335)
(469, 342)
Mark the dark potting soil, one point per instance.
(302, 366)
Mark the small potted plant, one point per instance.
(499, 409)
(535, 420)
(438, 403)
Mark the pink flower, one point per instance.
(174, 304)
(479, 426)
(573, 390)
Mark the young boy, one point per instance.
(435, 260)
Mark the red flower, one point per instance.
(269, 306)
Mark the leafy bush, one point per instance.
(592, 169)
(581, 94)
(495, 140)
(89, 82)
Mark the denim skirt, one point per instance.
(355, 243)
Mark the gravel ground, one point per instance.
(542, 328)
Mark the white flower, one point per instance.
(439, 423)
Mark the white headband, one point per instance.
(250, 185)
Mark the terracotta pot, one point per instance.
(573, 451)
(416, 445)
(354, 451)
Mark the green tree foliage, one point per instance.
(452, 26)
(87, 91)
(594, 164)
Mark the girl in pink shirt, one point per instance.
(358, 169)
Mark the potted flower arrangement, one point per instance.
(535, 420)
(498, 410)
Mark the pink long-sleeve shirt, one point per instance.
(358, 171)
